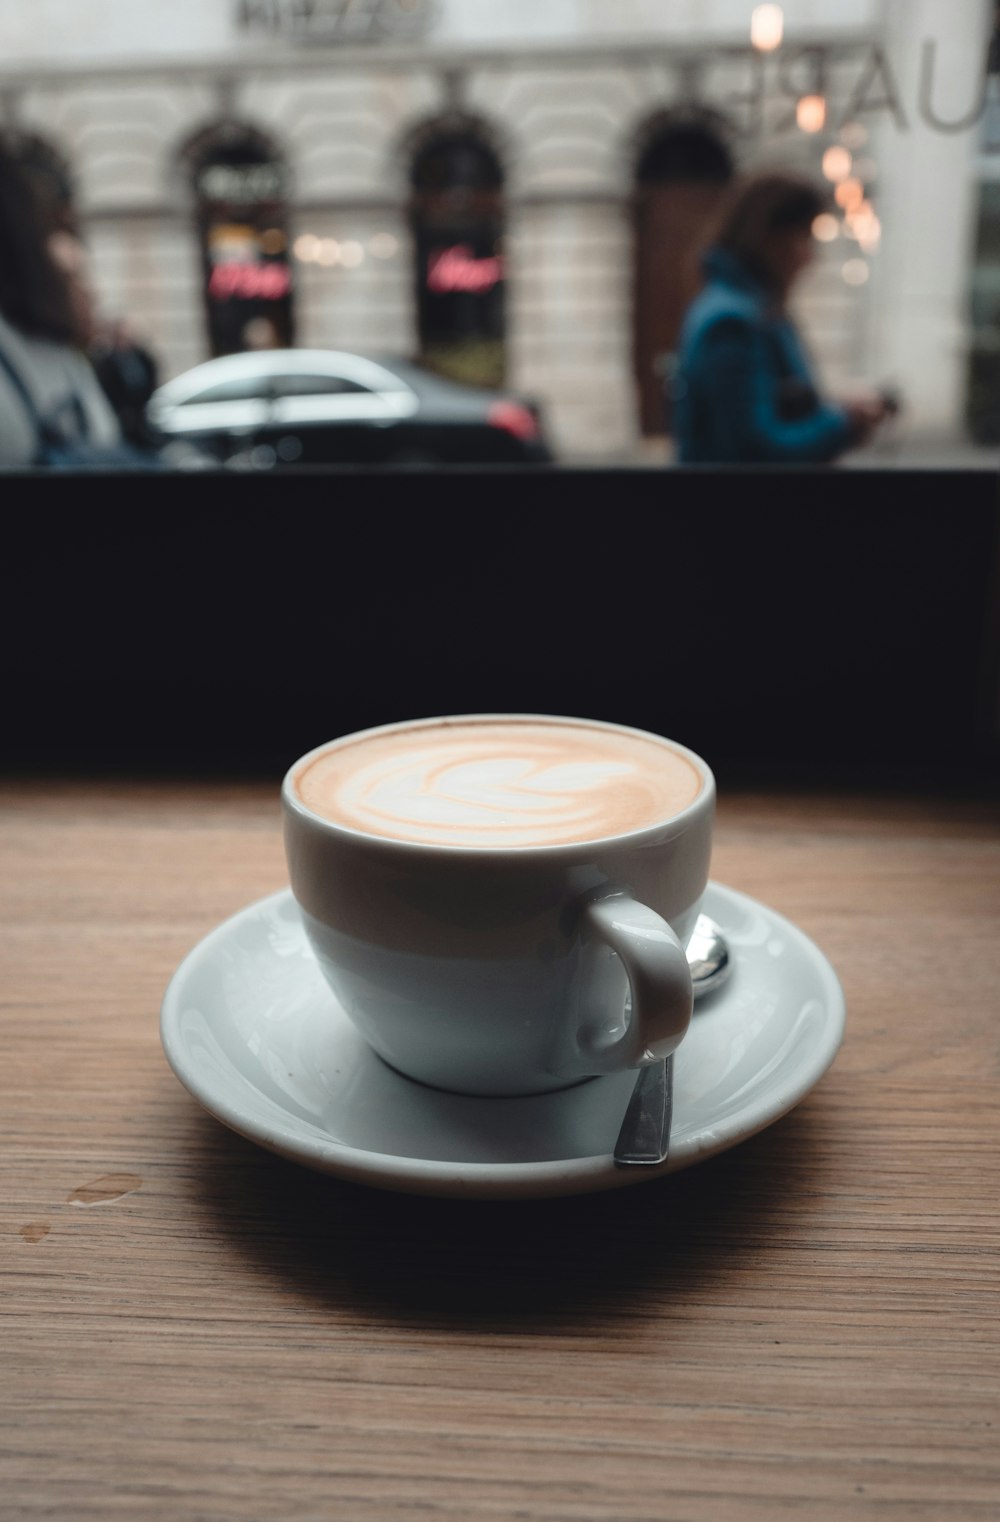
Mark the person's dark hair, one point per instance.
(756, 208)
(35, 294)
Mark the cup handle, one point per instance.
(660, 981)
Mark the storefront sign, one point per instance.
(457, 269)
(337, 21)
(867, 87)
(262, 282)
(241, 184)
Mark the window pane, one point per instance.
(317, 385)
(243, 390)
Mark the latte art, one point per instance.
(502, 783)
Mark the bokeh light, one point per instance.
(855, 272)
(853, 135)
(306, 248)
(810, 113)
(836, 163)
(767, 27)
(849, 194)
(864, 225)
(383, 245)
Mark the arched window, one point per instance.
(681, 171)
(457, 219)
(239, 183)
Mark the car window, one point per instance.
(246, 389)
(317, 385)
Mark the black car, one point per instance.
(281, 407)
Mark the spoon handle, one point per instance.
(644, 1138)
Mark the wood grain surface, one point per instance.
(193, 1329)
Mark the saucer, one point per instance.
(253, 1031)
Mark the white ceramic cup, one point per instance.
(501, 971)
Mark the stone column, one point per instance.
(569, 321)
(927, 200)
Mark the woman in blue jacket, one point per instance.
(744, 391)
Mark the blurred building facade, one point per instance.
(518, 191)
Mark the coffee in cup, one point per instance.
(503, 783)
(484, 892)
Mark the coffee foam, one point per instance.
(498, 783)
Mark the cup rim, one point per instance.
(662, 829)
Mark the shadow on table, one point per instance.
(509, 1265)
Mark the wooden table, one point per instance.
(193, 1329)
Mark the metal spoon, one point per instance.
(708, 956)
(644, 1138)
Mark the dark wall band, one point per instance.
(790, 626)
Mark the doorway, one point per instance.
(458, 223)
(682, 171)
(239, 182)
